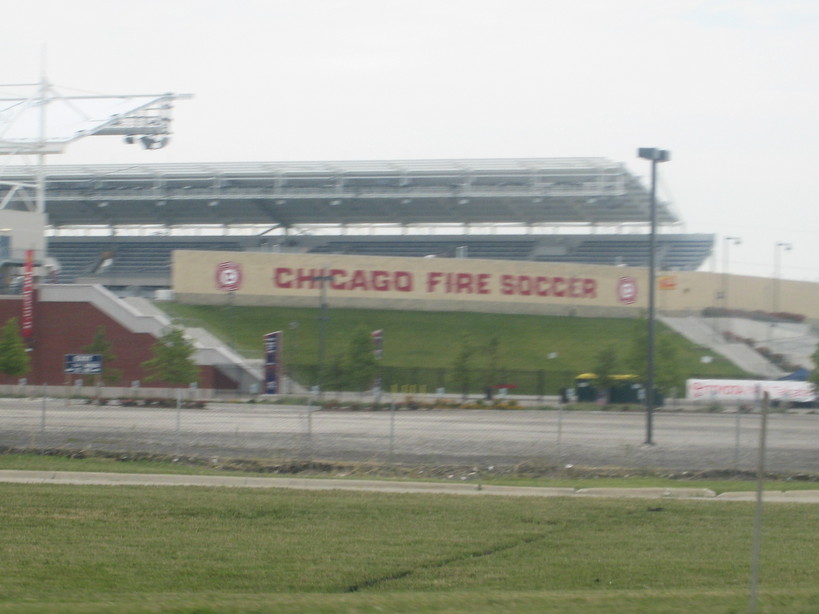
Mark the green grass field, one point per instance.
(205, 550)
(426, 339)
(192, 550)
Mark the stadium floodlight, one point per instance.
(36, 119)
(778, 247)
(655, 156)
(45, 121)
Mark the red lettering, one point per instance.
(507, 284)
(574, 287)
(381, 281)
(303, 278)
(542, 288)
(559, 286)
(433, 279)
(403, 281)
(524, 285)
(483, 283)
(338, 275)
(358, 281)
(463, 283)
(590, 288)
(279, 275)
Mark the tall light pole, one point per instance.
(726, 320)
(323, 318)
(655, 156)
(778, 247)
(728, 241)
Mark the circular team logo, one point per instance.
(228, 276)
(627, 290)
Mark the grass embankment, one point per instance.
(427, 339)
(203, 550)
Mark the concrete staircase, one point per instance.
(795, 341)
(247, 371)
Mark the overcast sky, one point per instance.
(731, 87)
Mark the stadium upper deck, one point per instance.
(118, 224)
(283, 196)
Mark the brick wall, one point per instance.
(67, 328)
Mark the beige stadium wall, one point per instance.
(447, 284)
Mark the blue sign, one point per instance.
(83, 364)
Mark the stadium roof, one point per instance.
(523, 191)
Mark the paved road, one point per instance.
(682, 440)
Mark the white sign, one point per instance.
(748, 390)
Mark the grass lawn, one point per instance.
(430, 339)
(202, 550)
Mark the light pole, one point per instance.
(728, 242)
(778, 247)
(294, 325)
(323, 318)
(655, 156)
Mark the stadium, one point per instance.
(117, 225)
(559, 236)
(87, 247)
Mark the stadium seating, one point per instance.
(124, 257)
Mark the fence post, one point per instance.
(43, 414)
(559, 430)
(757, 543)
(178, 418)
(392, 430)
(737, 432)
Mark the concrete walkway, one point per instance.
(137, 479)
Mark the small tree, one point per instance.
(605, 368)
(668, 373)
(492, 375)
(462, 367)
(102, 346)
(814, 375)
(14, 359)
(636, 358)
(172, 360)
(360, 363)
(333, 374)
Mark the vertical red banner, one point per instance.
(28, 295)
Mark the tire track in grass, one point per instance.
(400, 575)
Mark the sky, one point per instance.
(730, 87)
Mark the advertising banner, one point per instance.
(748, 390)
(272, 362)
(83, 364)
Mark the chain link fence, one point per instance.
(437, 380)
(535, 434)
